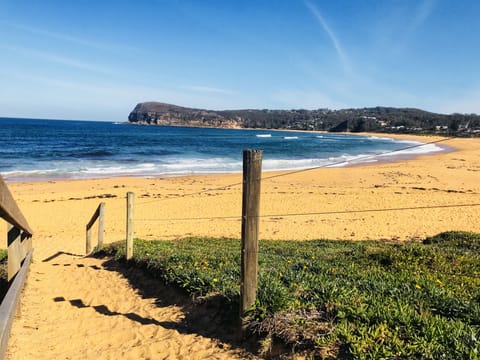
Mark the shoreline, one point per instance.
(379, 159)
(414, 138)
(329, 202)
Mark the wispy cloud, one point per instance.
(70, 97)
(331, 34)
(68, 38)
(402, 24)
(421, 14)
(207, 89)
(60, 59)
(306, 99)
(33, 95)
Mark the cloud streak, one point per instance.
(207, 89)
(333, 38)
(421, 15)
(305, 99)
(408, 21)
(68, 38)
(59, 59)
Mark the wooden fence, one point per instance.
(252, 172)
(100, 215)
(20, 251)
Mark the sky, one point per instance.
(95, 60)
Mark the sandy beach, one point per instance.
(403, 200)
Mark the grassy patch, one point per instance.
(3, 273)
(362, 300)
(3, 255)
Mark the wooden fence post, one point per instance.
(88, 243)
(26, 242)
(101, 224)
(15, 255)
(130, 196)
(252, 171)
(99, 215)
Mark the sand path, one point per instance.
(77, 307)
(83, 308)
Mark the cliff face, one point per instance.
(376, 119)
(155, 113)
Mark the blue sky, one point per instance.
(97, 59)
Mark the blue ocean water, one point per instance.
(32, 149)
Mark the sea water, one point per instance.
(33, 149)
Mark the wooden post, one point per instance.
(88, 246)
(101, 224)
(99, 214)
(252, 171)
(14, 251)
(26, 243)
(129, 225)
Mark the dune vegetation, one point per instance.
(339, 299)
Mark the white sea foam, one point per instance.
(373, 137)
(197, 160)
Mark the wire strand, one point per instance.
(176, 196)
(318, 213)
(299, 171)
(366, 157)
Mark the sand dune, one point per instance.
(81, 308)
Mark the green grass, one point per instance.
(3, 255)
(3, 273)
(341, 299)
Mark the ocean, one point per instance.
(33, 149)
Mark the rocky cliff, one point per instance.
(376, 119)
(156, 113)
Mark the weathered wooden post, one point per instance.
(130, 196)
(88, 242)
(101, 224)
(252, 171)
(15, 255)
(98, 214)
(26, 243)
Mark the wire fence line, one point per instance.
(363, 158)
(288, 173)
(177, 196)
(317, 213)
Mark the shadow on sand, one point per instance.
(210, 317)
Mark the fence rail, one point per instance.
(19, 232)
(19, 255)
(9, 210)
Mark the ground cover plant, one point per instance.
(340, 299)
(3, 273)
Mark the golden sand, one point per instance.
(404, 200)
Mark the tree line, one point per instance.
(374, 119)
